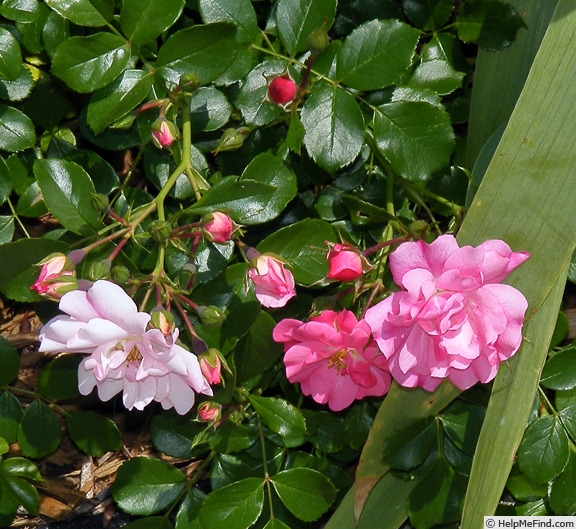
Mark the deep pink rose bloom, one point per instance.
(274, 284)
(219, 227)
(345, 263)
(453, 319)
(334, 358)
(145, 365)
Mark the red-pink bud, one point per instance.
(210, 411)
(57, 277)
(211, 365)
(345, 263)
(282, 90)
(219, 227)
(163, 133)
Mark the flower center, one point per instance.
(133, 356)
(337, 361)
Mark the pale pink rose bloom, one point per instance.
(144, 365)
(452, 319)
(345, 264)
(334, 358)
(219, 227)
(274, 285)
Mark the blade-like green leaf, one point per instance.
(86, 64)
(296, 19)
(376, 54)
(92, 13)
(142, 22)
(334, 127)
(67, 189)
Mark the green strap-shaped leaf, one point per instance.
(239, 12)
(86, 64)
(415, 137)
(376, 54)
(205, 51)
(306, 493)
(142, 22)
(117, 99)
(236, 506)
(296, 19)
(10, 56)
(146, 486)
(16, 130)
(67, 189)
(93, 13)
(334, 127)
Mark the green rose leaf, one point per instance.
(17, 270)
(206, 51)
(415, 137)
(376, 54)
(187, 516)
(9, 360)
(146, 486)
(268, 169)
(306, 493)
(334, 127)
(492, 24)
(21, 467)
(39, 433)
(23, 11)
(151, 522)
(10, 56)
(252, 102)
(6, 228)
(10, 416)
(568, 416)
(93, 433)
(15, 491)
(16, 130)
(19, 88)
(560, 371)
(209, 109)
(239, 12)
(246, 201)
(523, 488)
(327, 431)
(230, 438)
(67, 189)
(302, 246)
(86, 64)
(435, 75)
(438, 498)
(110, 103)
(428, 14)
(562, 498)
(275, 523)
(281, 417)
(462, 422)
(544, 450)
(93, 13)
(59, 379)
(296, 19)
(176, 436)
(236, 506)
(142, 22)
(406, 448)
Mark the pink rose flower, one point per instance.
(274, 284)
(453, 319)
(56, 277)
(344, 261)
(334, 358)
(144, 365)
(219, 227)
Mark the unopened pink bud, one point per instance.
(210, 411)
(211, 366)
(345, 263)
(282, 90)
(163, 133)
(56, 277)
(219, 227)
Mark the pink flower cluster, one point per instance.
(125, 355)
(452, 319)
